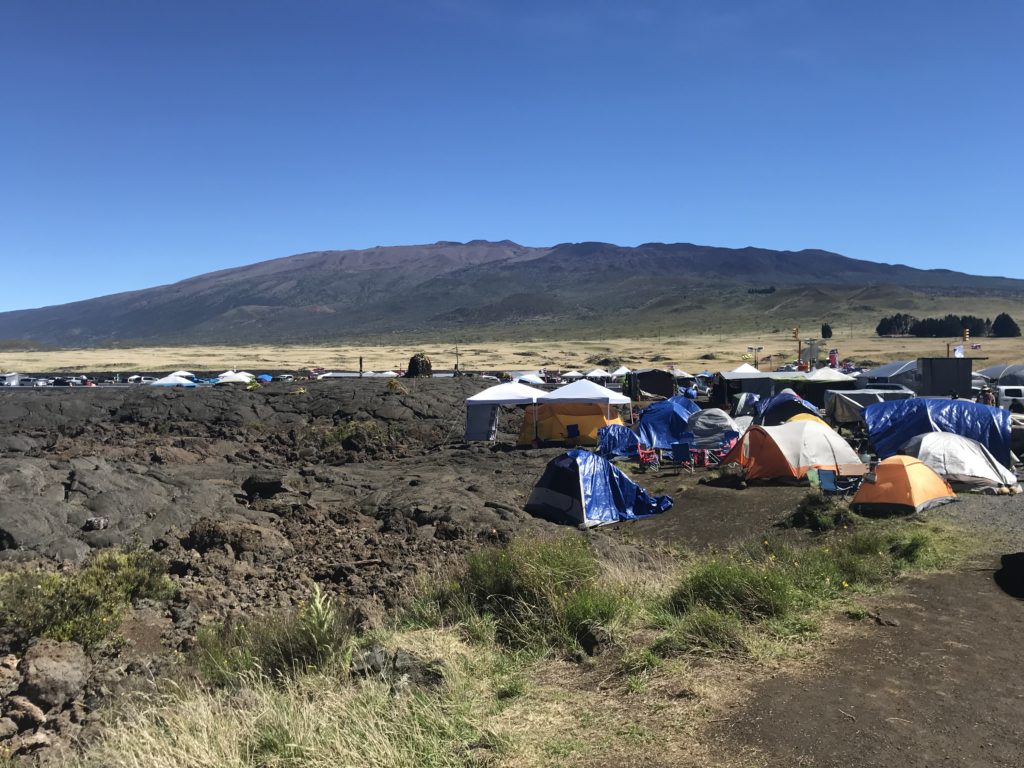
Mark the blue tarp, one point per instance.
(780, 408)
(617, 440)
(662, 423)
(891, 424)
(581, 488)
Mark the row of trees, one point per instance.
(950, 325)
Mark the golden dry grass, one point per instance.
(685, 352)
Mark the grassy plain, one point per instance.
(688, 352)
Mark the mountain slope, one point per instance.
(481, 285)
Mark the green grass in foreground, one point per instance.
(489, 626)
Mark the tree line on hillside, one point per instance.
(951, 325)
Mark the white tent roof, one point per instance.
(172, 381)
(506, 394)
(599, 373)
(530, 378)
(572, 375)
(681, 374)
(828, 374)
(621, 371)
(231, 377)
(745, 368)
(183, 374)
(959, 459)
(584, 391)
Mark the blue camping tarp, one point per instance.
(780, 408)
(662, 423)
(617, 440)
(581, 488)
(891, 424)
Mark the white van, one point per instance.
(1006, 395)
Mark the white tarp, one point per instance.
(506, 394)
(960, 460)
(584, 391)
(828, 374)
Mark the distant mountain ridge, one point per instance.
(489, 287)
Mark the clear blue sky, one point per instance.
(145, 141)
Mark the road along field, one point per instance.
(688, 352)
(323, 574)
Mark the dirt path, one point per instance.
(944, 687)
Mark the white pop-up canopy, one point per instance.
(584, 391)
(745, 368)
(828, 374)
(572, 375)
(231, 377)
(529, 378)
(183, 374)
(506, 394)
(621, 371)
(172, 381)
(599, 373)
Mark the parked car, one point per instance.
(1006, 395)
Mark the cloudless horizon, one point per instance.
(147, 142)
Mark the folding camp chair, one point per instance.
(682, 454)
(648, 458)
(832, 484)
(714, 456)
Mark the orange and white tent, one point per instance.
(901, 484)
(789, 450)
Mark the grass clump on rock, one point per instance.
(536, 593)
(84, 606)
(313, 637)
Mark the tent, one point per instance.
(829, 374)
(584, 391)
(560, 422)
(530, 378)
(172, 381)
(264, 378)
(891, 424)
(617, 441)
(621, 371)
(482, 408)
(581, 488)
(183, 374)
(572, 375)
(782, 407)
(665, 422)
(231, 377)
(901, 484)
(807, 417)
(1004, 375)
(599, 373)
(962, 462)
(847, 406)
(709, 427)
(789, 450)
(900, 372)
(650, 384)
(745, 368)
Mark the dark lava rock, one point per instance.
(53, 673)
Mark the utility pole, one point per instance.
(757, 356)
(456, 357)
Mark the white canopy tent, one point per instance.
(529, 378)
(506, 394)
(482, 408)
(828, 374)
(173, 381)
(599, 373)
(621, 371)
(233, 377)
(572, 375)
(584, 391)
(745, 368)
(183, 374)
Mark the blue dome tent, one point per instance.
(581, 488)
(664, 422)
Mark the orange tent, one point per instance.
(901, 484)
(555, 422)
(808, 417)
(789, 450)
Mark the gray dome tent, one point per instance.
(1004, 375)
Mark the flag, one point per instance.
(958, 350)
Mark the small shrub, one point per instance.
(276, 646)
(703, 630)
(750, 590)
(820, 514)
(85, 606)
